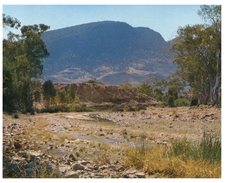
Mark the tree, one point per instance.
(36, 88)
(198, 55)
(22, 60)
(9, 21)
(49, 91)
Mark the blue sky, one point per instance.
(164, 19)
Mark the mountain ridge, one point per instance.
(105, 50)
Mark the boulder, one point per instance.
(83, 162)
(72, 156)
(140, 175)
(78, 166)
(17, 145)
(64, 168)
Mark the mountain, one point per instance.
(111, 52)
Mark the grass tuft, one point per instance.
(208, 149)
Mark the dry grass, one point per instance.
(162, 161)
(102, 160)
(40, 133)
(62, 137)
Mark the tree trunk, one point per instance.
(215, 91)
(215, 83)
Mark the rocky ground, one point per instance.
(93, 144)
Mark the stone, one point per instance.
(50, 147)
(31, 168)
(17, 145)
(95, 167)
(103, 167)
(71, 174)
(126, 176)
(130, 171)
(23, 154)
(162, 143)
(113, 167)
(140, 175)
(34, 154)
(78, 166)
(64, 168)
(18, 158)
(83, 162)
(72, 156)
(98, 175)
(120, 168)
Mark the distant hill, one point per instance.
(111, 52)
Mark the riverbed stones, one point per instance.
(71, 174)
(140, 175)
(72, 157)
(78, 166)
(17, 145)
(64, 168)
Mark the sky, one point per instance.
(164, 19)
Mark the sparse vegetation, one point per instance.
(182, 159)
(67, 108)
(208, 149)
(112, 138)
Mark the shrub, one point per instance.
(170, 101)
(182, 102)
(66, 108)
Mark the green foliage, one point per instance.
(183, 159)
(66, 96)
(66, 108)
(145, 89)
(170, 101)
(8, 92)
(49, 91)
(36, 88)
(22, 61)
(62, 100)
(153, 90)
(208, 149)
(198, 55)
(166, 90)
(93, 81)
(9, 21)
(182, 102)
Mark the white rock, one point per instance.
(140, 175)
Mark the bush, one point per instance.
(66, 108)
(78, 108)
(182, 102)
(145, 89)
(170, 101)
